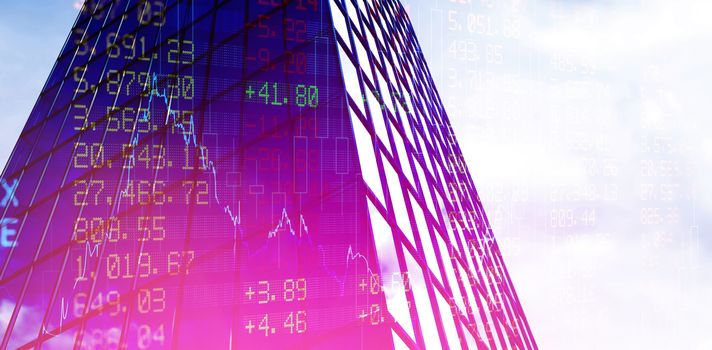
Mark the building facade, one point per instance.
(226, 174)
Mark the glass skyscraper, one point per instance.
(243, 174)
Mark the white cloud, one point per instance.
(26, 327)
(573, 101)
(611, 33)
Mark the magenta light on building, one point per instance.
(246, 174)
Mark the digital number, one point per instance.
(148, 192)
(196, 191)
(151, 228)
(374, 284)
(120, 266)
(113, 82)
(146, 336)
(133, 83)
(264, 325)
(123, 119)
(295, 29)
(307, 95)
(151, 12)
(201, 152)
(81, 42)
(263, 292)
(296, 62)
(88, 155)
(145, 192)
(179, 49)
(304, 95)
(400, 280)
(296, 322)
(295, 289)
(151, 156)
(96, 229)
(303, 5)
(465, 50)
(109, 302)
(126, 47)
(375, 314)
(179, 261)
(151, 300)
(82, 84)
(82, 116)
(82, 196)
(178, 86)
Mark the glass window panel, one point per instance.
(423, 232)
(453, 339)
(390, 271)
(399, 209)
(422, 303)
(367, 159)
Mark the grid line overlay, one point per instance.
(413, 167)
(371, 173)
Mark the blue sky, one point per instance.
(578, 108)
(31, 35)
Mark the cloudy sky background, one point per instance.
(593, 107)
(586, 128)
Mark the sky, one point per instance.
(585, 126)
(588, 140)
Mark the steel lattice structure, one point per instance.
(262, 173)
